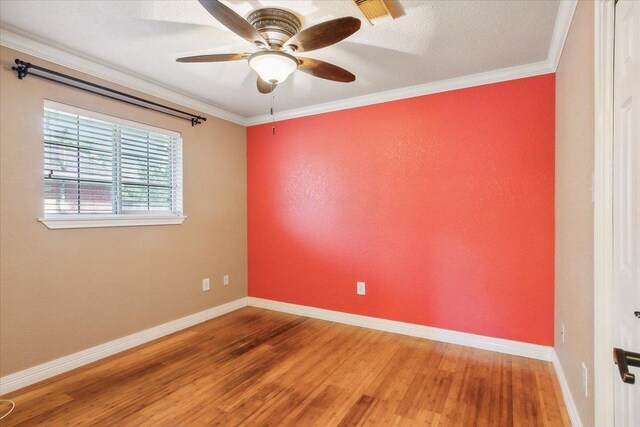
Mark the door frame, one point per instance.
(604, 20)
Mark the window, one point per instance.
(102, 171)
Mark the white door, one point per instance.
(626, 212)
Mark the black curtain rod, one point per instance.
(24, 69)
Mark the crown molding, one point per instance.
(564, 17)
(488, 77)
(566, 9)
(77, 62)
(89, 66)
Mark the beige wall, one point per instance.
(574, 208)
(62, 291)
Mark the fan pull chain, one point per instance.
(273, 117)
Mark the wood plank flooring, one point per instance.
(259, 367)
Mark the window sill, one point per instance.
(110, 221)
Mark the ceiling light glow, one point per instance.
(273, 66)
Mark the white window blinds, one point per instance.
(96, 164)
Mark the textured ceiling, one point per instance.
(430, 41)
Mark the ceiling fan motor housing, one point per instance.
(275, 25)
(278, 35)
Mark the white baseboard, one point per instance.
(574, 416)
(46, 370)
(516, 348)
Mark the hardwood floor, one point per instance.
(258, 367)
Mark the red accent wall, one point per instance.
(443, 204)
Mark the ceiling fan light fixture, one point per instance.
(273, 66)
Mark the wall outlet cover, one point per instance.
(361, 288)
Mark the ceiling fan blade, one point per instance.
(233, 21)
(325, 70)
(324, 34)
(219, 57)
(265, 87)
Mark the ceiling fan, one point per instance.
(277, 33)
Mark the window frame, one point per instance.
(89, 220)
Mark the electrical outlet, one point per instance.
(585, 380)
(562, 333)
(225, 280)
(206, 285)
(361, 288)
